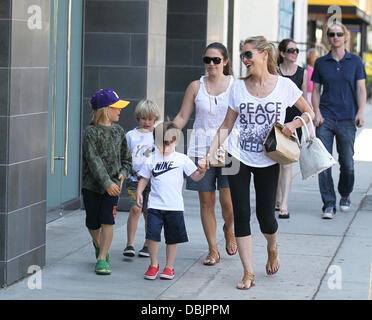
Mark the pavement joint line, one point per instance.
(340, 244)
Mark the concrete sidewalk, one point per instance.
(320, 259)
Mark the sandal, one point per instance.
(277, 206)
(213, 257)
(247, 277)
(284, 214)
(272, 257)
(230, 241)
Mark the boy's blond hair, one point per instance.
(166, 133)
(147, 109)
(99, 115)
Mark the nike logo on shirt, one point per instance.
(162, 167)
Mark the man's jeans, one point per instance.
(344, 131)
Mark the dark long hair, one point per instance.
(282, 47)
(219, 46)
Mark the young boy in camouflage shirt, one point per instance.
(106, 163)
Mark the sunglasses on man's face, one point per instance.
(292, 50)
(333, 34)
(246, 55)
(208, 60)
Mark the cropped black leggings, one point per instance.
(265, 183)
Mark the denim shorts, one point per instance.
(174, 226)
(131, 187)
(212, 180)
(100, 209)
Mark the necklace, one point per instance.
(209, 91)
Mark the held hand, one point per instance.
(202, 167)
(113, 190)
(204, 162)
(139, 201)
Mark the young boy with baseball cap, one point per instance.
(106, 163)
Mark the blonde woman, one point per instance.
(255, 103)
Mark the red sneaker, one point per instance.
(167, 273)
(152, 272)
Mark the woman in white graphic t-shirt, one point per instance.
(208, 96)
(255, 103)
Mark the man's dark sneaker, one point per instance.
(345, 204)
(144, 252)
(328, 213)
(129, 251)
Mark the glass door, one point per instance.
(64, 105)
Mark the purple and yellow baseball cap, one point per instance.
(107, 98)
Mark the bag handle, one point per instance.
(311, 122)
(305, 130)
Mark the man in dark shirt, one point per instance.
(338, 111)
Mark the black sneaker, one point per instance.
(345, 204)
(328, 213)
(129, 251)
(144, 252)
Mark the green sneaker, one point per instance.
(102, 268)
(97, 253)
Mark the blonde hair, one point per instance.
(338, 24)
(147, 109)
(261, 44)
(99, 115)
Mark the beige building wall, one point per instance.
(253, 18)
(157, 35)
(217, 21)
(300, 29)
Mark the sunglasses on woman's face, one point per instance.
(246, 55)
(292, 50)
(208, 60)
(333, 34)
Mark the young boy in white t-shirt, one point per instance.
(165, 203)
(141, 145)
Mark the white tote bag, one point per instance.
(314, 157)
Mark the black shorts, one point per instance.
(174, 226)
(100, 209)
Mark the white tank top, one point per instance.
(210, 111)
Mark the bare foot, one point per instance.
(247, 282)
(273, 262)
